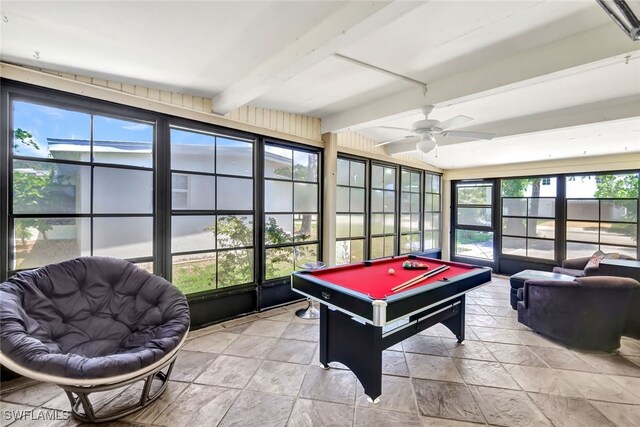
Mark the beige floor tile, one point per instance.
(266, 328)
(630, 383)
(510, 323)
(394, 363)
(569, 411)
(373, 417)
(446, 400)
(190, 364)
(330, 385)
(481, 320)
(292, 351)
(424, 345)
(474, 309)
(599, 387)
(253, 408)
(278, 378)
(34, 395)
(468, 350)
(504, 311)
(397, 395)
(198, 405)
(504, 336)
(620, 415)
(229, 371)
(203, 331)
(151, 412)
(302, 331)
(542, 380)
(508, 407)
(432, 367)
(533, 339)
(612, 364)
(562, 358)
(490, 374)
(442, 422)
(514, 354)
(315, 413)
(251, 346)
(216, 342)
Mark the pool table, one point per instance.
(360, 314)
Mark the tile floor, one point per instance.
(262, 370)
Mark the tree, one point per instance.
(29, 190)
(617, 186)
(23, 137)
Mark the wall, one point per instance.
(271, 123)
(359, 145)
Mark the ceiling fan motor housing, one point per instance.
(426, 125)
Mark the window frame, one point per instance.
(395, 211)
(263, 178)
(365, 213)
(421, 212)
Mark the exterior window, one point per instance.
(350, 211)
(81, 184)
(410, 224)
(212, 211)
(474, 220)
(602, 214)
(528, 217)
(383, 211)
(291, 205)
(432, 210)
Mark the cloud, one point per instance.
(136, 126)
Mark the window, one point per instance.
(528, 217)
(81, 184)
(350, 211)
(432, 211)
(291, 205)
(212, 210)
(383, 211)
(602, 214)
(474, 220)
(410, 224)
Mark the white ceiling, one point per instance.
(552, 79)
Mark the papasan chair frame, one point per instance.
(79, 389)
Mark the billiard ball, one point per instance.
(392, 271)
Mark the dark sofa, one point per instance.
(588, 313)
(622, 266)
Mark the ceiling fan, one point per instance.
(427, 130)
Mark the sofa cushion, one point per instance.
(569, 271)
(91, 317)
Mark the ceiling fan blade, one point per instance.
(401, 147)
(395, 128)
(454, 122)
(378, 144)
(469, 135)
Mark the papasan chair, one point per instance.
(93, 324)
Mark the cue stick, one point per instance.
(420, 278)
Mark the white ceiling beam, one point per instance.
(586, 114)
(587, 49)
(347, 24)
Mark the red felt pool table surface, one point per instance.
(376, 281)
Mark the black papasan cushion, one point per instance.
(91, 317)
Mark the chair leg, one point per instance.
(90, 415)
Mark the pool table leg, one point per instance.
(357, 346)
(456, 323)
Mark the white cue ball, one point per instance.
(392, 271)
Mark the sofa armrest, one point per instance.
(543, 284)
(576, 263)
